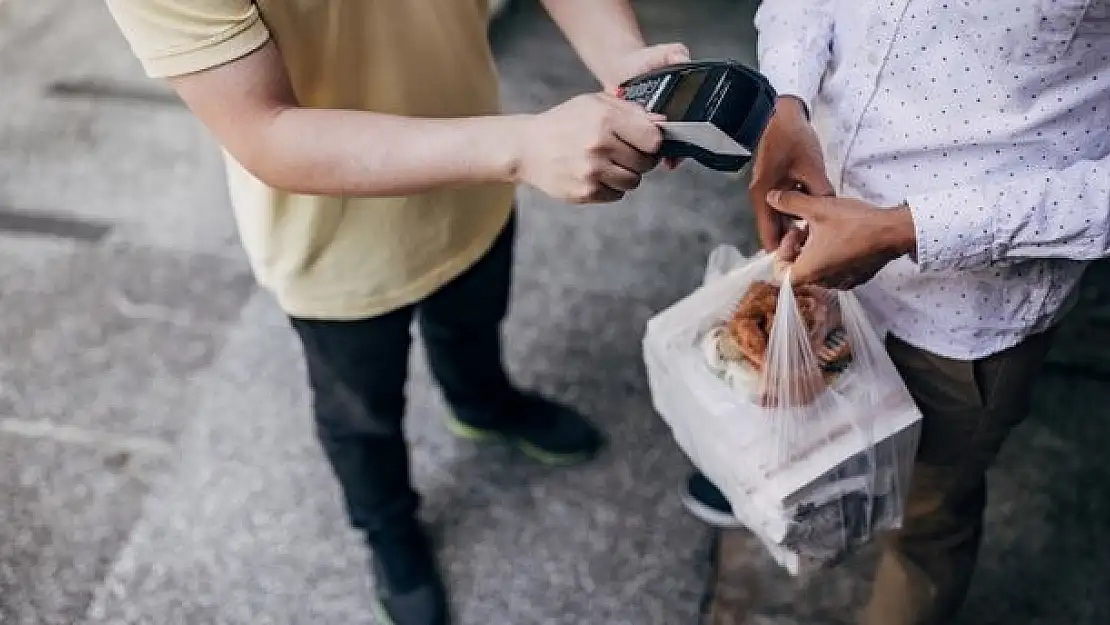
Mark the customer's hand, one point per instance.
(593, 148)
(789, 157)
(844, 242)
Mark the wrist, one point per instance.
(793, 105)
(509, 146)
(618, 70)
(899, 235)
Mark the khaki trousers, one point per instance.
(969, 409)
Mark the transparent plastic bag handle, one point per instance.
(794, 391)
(792, 367)
(792, 375)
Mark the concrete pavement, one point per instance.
(156, 455)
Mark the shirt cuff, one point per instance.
(230, 45)
(786, 67)
(954, 229)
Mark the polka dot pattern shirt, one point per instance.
(991, 118)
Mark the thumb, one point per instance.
(675, 53)
(660, 55)
(791, 246)
(793, 203)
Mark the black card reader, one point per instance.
(716, 110)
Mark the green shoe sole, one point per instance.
(380, 613)
(471, 433)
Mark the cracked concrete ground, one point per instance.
(156, 455)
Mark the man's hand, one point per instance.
(789, 157)
(844, 242)
(607, 37)
(593, 148)
(645, 60)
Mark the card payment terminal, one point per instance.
(716, 110)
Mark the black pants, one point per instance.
(358, 369)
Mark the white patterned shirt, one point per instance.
(991, 119)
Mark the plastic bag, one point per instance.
(786, 399)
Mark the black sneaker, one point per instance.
(547, 431)
(408, 586)
(706, 502)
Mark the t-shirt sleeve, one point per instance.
(176, 37)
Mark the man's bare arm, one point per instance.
(250, 107)
(590, 149)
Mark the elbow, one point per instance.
(263, 151)
(275, 169)
(272, 172)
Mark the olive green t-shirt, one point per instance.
(335, 257)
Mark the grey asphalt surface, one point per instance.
(157, 463)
